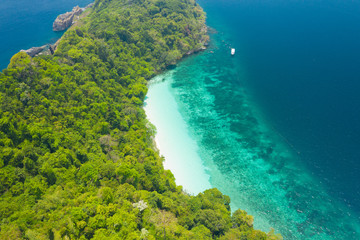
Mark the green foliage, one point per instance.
(77, 159)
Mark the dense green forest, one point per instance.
(77, 158)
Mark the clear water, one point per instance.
(276, 126)
(25, 24)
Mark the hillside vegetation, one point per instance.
(77, 159)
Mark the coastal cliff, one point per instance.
(32, 52)
(61, 23)
(42, 50)
(65, 20)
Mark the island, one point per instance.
(77, 157)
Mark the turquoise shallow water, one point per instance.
(245, 157)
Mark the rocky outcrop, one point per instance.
(63, 21)
(32, 52)
(203, 42)
(47, 49)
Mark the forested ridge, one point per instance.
(77, 158)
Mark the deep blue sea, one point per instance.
(28, 23)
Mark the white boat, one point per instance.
(233, 51)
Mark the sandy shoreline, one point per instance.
(172, 137)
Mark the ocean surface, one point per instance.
(28, 23)
(277, 126)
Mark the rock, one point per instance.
(190, 52)
(52, 49)
(63, 21)
(55, 45)
(32, 52)
(47, 49)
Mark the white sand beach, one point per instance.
(172, 137)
